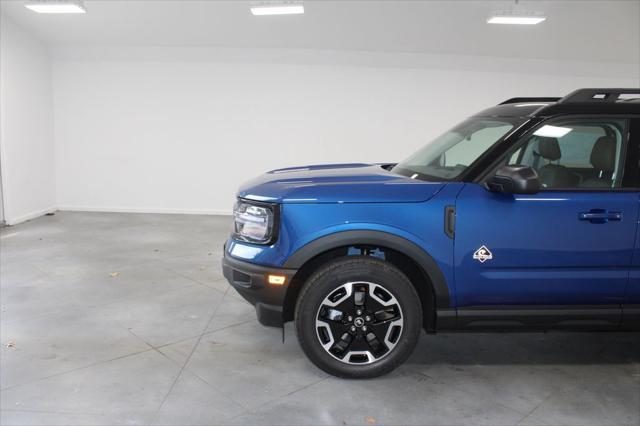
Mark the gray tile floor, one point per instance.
(126, 319)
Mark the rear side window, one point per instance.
(575, 154)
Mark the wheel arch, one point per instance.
(415, 262)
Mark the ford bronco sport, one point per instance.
(522, 216)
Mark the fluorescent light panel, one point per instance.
(56, 6)
(515, 20)
(278, 9)
(548, 131)
(516, 17)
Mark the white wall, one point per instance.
(177, 130)
(26, 125)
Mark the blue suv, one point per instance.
(523, 216)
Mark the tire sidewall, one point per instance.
(353, 269)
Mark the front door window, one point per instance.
(575, 154)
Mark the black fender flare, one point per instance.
(378, 239)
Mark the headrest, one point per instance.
(549, 148)
(603, 155)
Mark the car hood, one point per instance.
(337, 183)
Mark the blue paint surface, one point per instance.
(542, 253)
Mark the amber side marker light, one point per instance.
(276, 279)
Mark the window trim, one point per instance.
(633, 155)
(626, 159)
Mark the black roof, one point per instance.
(582, 101)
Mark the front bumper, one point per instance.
(250, 280)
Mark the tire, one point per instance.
(346, 302)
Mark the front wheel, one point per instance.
(358, 317)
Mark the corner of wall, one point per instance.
(27, 149)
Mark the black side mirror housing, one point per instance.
(515, 180)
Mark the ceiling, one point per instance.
(587, 30)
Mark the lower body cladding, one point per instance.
(252, 282)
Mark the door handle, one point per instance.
(600, 216)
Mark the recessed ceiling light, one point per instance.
(512, 17)
(277, 8)
(56, 6)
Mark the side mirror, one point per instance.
(514, 180)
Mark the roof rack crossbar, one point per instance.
(520, 100)
(598, 95)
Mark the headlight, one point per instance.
(253, 223)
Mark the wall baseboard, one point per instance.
(156, 210)
(36, 214)
(25, 217)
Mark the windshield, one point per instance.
(449, 155)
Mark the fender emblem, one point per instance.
(483, 254)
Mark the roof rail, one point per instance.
(598, 95)
(519, 100)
